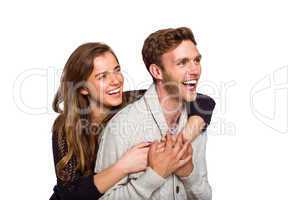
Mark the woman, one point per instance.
(90, 93)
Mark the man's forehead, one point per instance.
(185, 49)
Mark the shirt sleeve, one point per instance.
(203, 106)
(81, 189)
(196, 184)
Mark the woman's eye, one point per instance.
(102, 77)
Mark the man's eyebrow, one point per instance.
(186, 58)
(117, 66)
(181, 59)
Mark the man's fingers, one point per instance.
(180, 139)
(184, 161)
(182, 151)
(178, 144)
(169, 143)
(190, 149)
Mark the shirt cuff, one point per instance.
(148, 182)
(190, 179)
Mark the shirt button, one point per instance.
(177, 189)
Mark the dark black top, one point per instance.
(80, 187)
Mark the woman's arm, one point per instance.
(200, 113)
(193, 128)
(92, 187)
(134, 160)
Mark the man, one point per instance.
(173, 60)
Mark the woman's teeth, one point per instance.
(114, 91)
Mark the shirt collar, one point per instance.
(153, 105)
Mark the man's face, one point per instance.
(181, 71)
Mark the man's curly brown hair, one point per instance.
(162, 41)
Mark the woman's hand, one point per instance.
(135, 159)
(193, 128)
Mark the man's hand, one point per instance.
(166, 158)
(186, 169)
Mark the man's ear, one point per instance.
(156, 72)
(84, 91)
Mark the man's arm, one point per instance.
(112, 146)
(196, 184)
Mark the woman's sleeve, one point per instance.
(203, 106)
(77, 187)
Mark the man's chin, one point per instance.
(190, 97)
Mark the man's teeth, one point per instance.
(114, 91)
(190, 82)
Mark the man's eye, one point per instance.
(197, 60)
(183, 62)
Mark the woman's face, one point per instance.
(105, 84)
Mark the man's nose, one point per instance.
(194, 68)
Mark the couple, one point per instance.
(110, 144)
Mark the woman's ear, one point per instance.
(84, 91)
(156, 72)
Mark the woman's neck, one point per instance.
(98, 112)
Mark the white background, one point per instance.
(250, 67)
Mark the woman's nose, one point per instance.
(114, 79)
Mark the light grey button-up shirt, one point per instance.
(144, 121)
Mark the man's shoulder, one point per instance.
(129, 112)
(126, 121)
(124, 124)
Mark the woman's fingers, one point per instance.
(145, 150)
(142, 145)
(159, 150)
(161, 144)
(153, 147)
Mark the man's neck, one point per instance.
(171, 107)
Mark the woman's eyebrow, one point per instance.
(100, 73)
(105, 72)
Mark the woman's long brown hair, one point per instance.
(81, 144)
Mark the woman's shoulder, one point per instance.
(58, 127)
